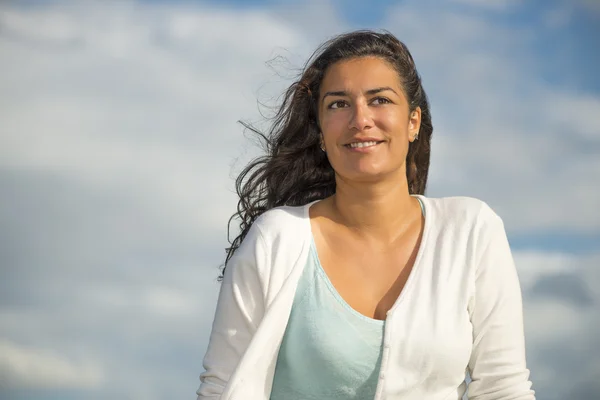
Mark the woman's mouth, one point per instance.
(362, 145)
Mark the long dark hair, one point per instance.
(294, 171)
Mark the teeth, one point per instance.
(362, 144)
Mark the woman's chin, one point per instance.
(365, 175)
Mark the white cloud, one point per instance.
(32, 367)
(561, 336)
(148, 335)
(147, 99)
(576, 116)
(532, 265)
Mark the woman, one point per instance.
(346, 282)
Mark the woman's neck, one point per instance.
(380, 211)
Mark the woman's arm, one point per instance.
(497, 365)
(240, 308)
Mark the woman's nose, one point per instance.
(361, 117)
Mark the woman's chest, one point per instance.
(368, 278)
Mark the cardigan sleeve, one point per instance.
(240, 308)
(497, 365)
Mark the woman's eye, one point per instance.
(337, 104)
(381, 100)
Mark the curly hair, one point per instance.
(294, 171)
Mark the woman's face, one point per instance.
(364, 119)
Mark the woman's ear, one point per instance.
(414, 124)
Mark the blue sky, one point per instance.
(119, 142)
(574, 35)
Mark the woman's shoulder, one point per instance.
(284, 219)
(276, 233)
(464, 211)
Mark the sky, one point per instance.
(120, 142)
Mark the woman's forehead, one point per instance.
(360, 71)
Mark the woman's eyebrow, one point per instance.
(343, 93)
(338, 94)
(380, 89)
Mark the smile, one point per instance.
(361, 145)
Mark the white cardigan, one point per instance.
(460, 310)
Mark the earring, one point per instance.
(323, 146)
(416, 136)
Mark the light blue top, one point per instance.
(329, 350)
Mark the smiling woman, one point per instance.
(365, 118)
(346, 281)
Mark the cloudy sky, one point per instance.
(119, 142)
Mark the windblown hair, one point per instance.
(294, 171)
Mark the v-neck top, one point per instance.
(329, 350)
